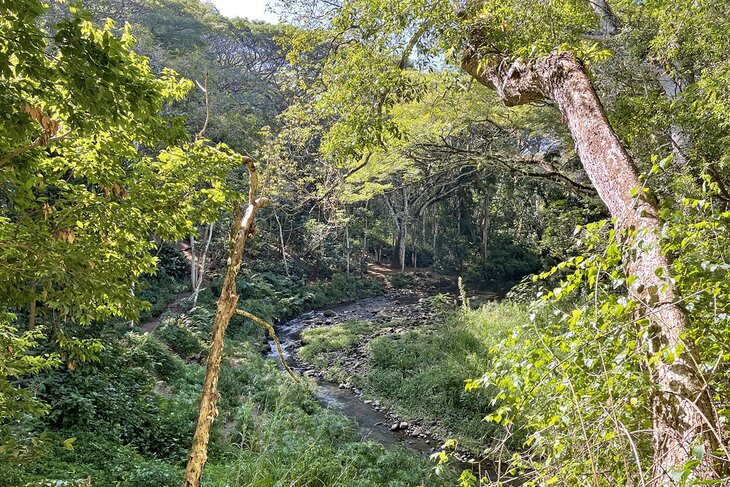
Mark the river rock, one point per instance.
(328, 313)
(395, 427)
(403, 425)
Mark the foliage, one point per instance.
(82, 200)
(15, 363)
(575, 379)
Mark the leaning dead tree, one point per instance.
(683, 412)
(242, 229)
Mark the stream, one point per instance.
(373, 422)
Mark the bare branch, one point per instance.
(272, 334)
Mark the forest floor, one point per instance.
(179, 304)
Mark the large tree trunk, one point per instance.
(242, 228)
(672, 84)
(683, 412)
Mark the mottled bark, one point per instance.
(673, 85)
(242, 228)
(682, 407)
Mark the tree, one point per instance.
(242, 229)
(92, 175)
(507, 47)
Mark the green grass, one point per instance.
(421, 372)
(317, 342)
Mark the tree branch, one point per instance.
(272, 334)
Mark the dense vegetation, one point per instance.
(574, 153)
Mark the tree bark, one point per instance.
(683, 412)
(283, 245)
(404, 230)
(486, 224)
(199, 273)
(398, 257)
(242, 228)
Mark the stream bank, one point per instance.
(395, 313)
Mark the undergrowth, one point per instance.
(127, 418)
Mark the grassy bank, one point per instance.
(419, 372)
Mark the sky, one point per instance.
(251, 9)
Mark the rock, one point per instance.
(368, 401)
(395, 427)
(403, 425)
(344, 385)
(328, 313)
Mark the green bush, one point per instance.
(91, 457)
(181, 339)
(150, 354)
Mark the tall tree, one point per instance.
(92, 175)
(528, 52)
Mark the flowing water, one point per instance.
(372, 424)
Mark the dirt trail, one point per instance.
(180, 304)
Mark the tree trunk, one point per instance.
(486, 224)
(32, 312)
(435, 237)
(404, 230)
(347, 245)
(398, 258)
(193, 263)
(673, 86)
(200, 273)
(283, 246)
(683, 412)
(242, 228)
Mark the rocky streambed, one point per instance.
(393, 313)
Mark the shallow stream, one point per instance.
(373, 425)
